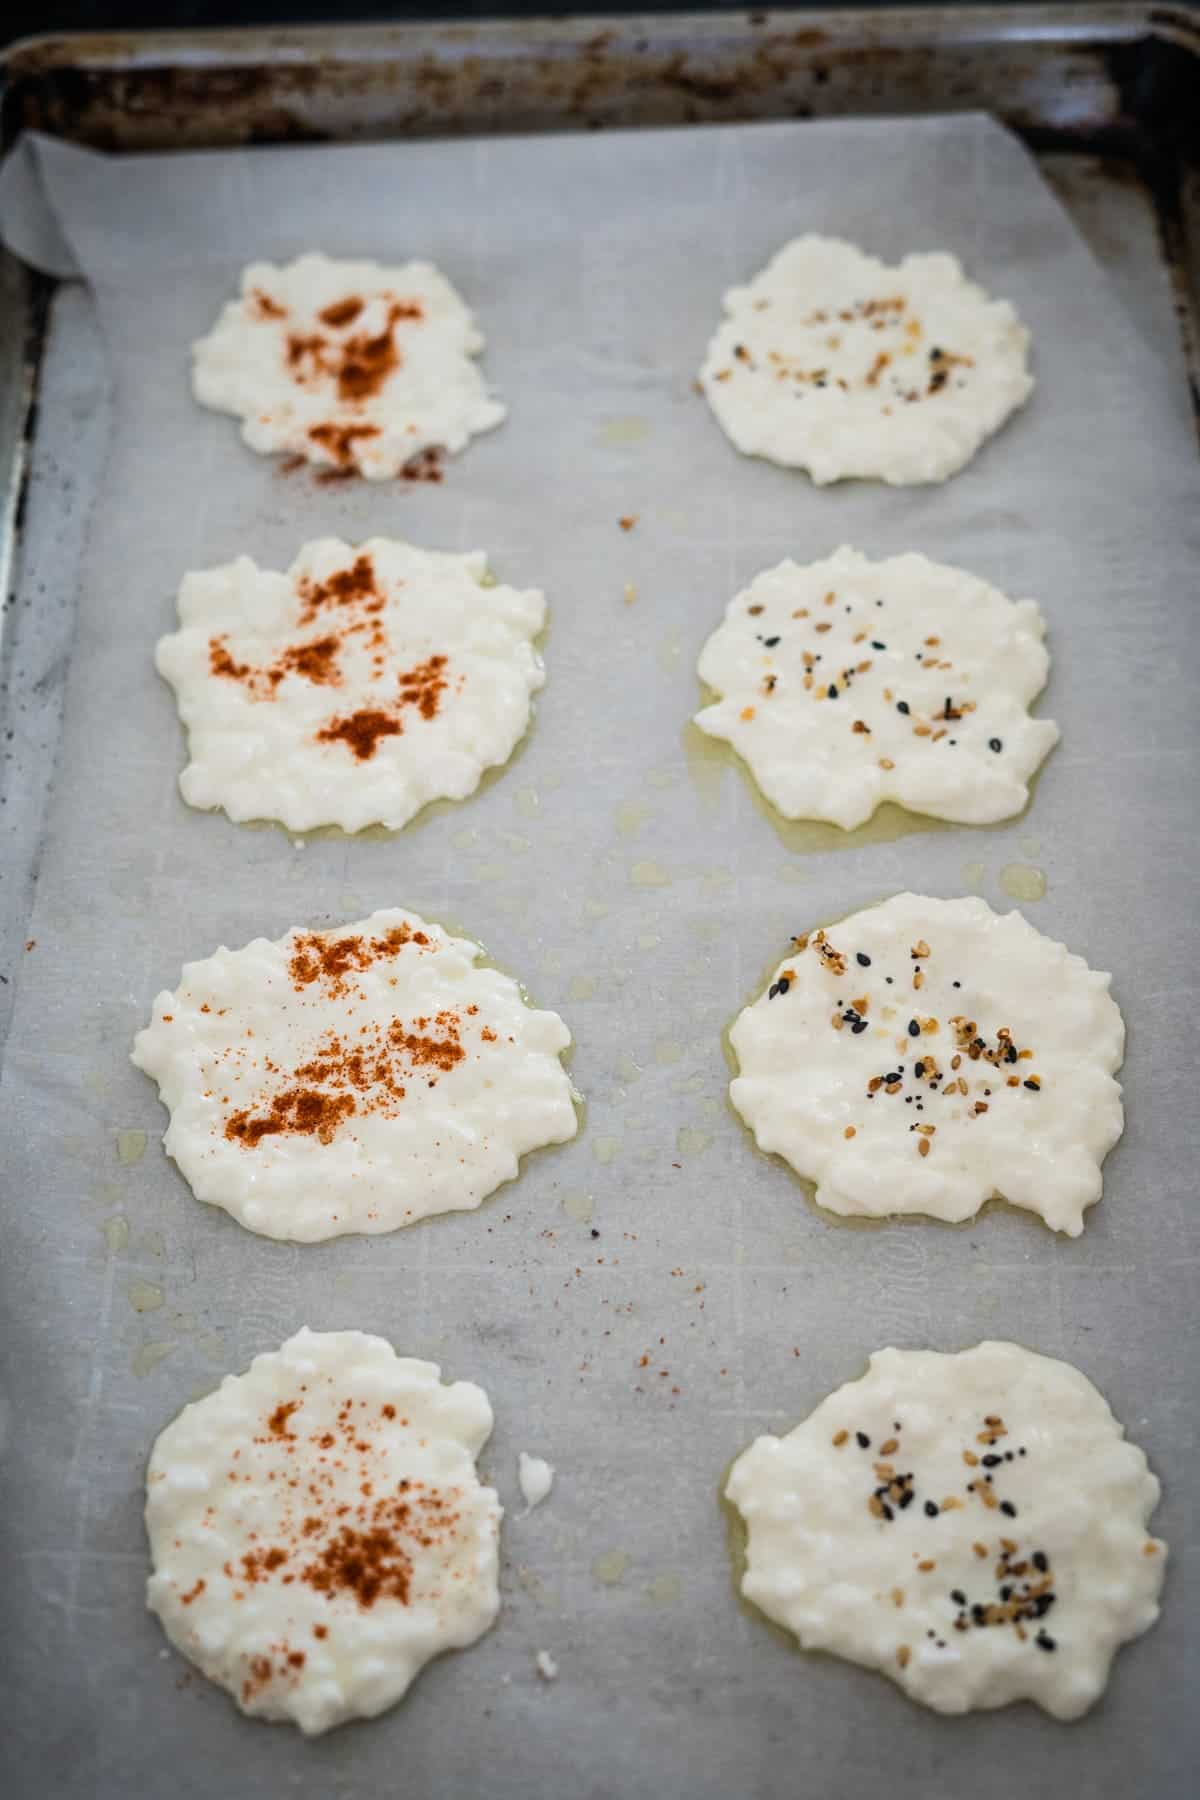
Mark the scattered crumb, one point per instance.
(546, 1666)
(536, 1478)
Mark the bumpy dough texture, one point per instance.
(833, 362)
(924, 1055)
(347, 364)
(354, 689)
(973, 1526)
(848, 682)
(353, 1080)
(318, 1531)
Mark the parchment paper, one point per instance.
(640, 891)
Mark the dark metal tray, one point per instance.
(1108, 98)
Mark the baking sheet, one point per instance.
(641, 892)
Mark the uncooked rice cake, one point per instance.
(353, 1080)
(974, 1526)
(849, 682)
(318, 1530)
(350, 365)
(925, 1055)
(828, 360)
(353, 689)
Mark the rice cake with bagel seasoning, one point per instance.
(828, 360)
(974, 1526)
(353, 1080)
(355, 688)
(318, 1530)
(355, 367)
(925, 1056)
(847, 683)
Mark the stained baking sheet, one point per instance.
(635, 886)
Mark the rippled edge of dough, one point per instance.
(164, 1072)
(829, 1410)
(474, 1428)
(845, 561)
(944, 448)
(1070, 1222)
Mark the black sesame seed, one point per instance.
(1039, 1561)
(770, 642)
(906, 1498)
(1044, 1641)
(862, 1440)
(931, 1511)
(888, 1514)
(772, 990)
(1008, 1509)
(876, 645)
(995, 744)
(957, 1595)
(914, 1030)
(991, 1462)
(956, 984)
(858, 1025)
(1006, 1593)
(902, 706)
(1042, 1605)
(1032, 1084)
(888, 979)
(784, 984)
(918, 1071)
(833, 693)
(862, 960)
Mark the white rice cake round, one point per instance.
(353, 1080)
(348, 364)
(923, 1056)
(833, 362)
(354, 689)
(973, 1526)
(845, 683)
(318, 1530)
